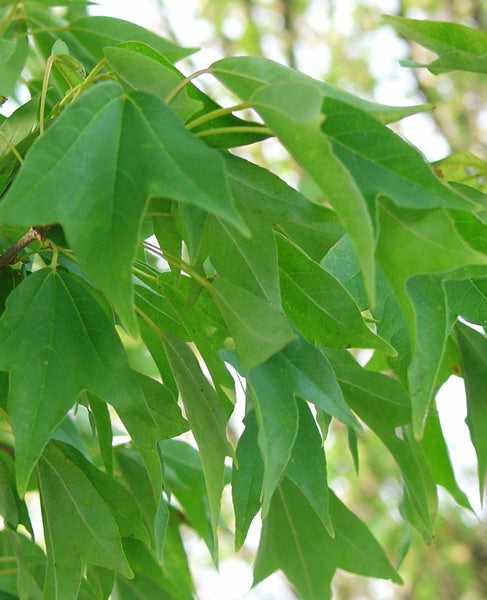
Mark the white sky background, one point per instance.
(235, 578)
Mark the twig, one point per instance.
(10, 255)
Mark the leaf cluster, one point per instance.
(144, 263)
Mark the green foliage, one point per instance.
(140, 259)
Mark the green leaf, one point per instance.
(18, 125)
(318, 305)
(420, 243)
(101, 581)
(139, 483)
(459, 47)
(67, 496)
(277, 418)
(259, 330)
(7, 48)
(383, 404)
(473, 354)
(31, 564)
(185, 479)
(118, 499)
(142, 68)
(148, 582)
(206, 417)
(51, 187)
(295, 541)
(468, 298)
(372, 395)
(175, 560)
(14, 57)
(464, 167)
(201, 323)
(431, 330)
(307, 466)
(472, 228)
(8, 501)
(382, 163)
(104, 433)
(301, 370)
(247, 477)
(77, 348)
(310, 376)
(269, 199)
(166, 422)
(94, 33)
(249, 262)
(294, 115)
(9, 279)
(436, 451)
(245, 74)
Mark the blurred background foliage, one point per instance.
(346, 43)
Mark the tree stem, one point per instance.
(10, 255)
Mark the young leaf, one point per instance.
(142, 68)
(170, 162)
(459, 47)
(94, 33)
(75, 348)
(67, 496)
(465, 168)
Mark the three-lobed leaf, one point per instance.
(103, 212)
(74, 348)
